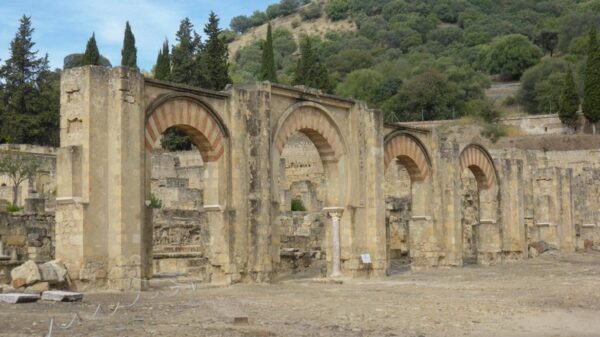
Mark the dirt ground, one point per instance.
(552, 295)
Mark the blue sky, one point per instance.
(63, 27)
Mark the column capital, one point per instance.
(334, 211)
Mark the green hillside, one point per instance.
(430, 59)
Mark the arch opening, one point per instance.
(409, 218)
(309, 169)
(187, 189)
(480, 206)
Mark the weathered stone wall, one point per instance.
(27, 236)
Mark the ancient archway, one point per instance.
(207, 238)
(315, 123)
(411, 230)
(485, 229)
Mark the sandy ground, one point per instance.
(554, 296)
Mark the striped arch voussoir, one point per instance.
(480, 163)
(317, 126)
(411, 154)
(192, 118)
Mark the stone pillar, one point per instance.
(423, 245)
(1, 247)
(489, 242)
(514, 241)
(336, 263)
(100, 214)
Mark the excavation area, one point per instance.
(552, 295)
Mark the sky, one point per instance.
(63, 27)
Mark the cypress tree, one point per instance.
(213, 71)
(129, 51)
(268, 72)
(91, 55)
(591, 96)
(310, 71)
(20, 92)
(162, 70)
(183, 56)
(568, 103)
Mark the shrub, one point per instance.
(155, 203)
(311, 12)
(337, 9)
(512, 54)
(494, 131)
(298, 206)
(10, 208)
(295, 24)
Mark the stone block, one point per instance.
(35, 205)
(19, 298)
(38, 288)
(53, 272)
(61, 296)
(28, 272)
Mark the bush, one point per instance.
(295, 24)
(494, 131)
(155, 203)
(258, 18)
(273, 11)
(511, 55)
(337, 9)
(240, 24)
(541, 86)
(10, 208)
(311, 12)
(361, 84)
(298, 206)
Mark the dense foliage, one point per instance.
(568, 104)
(591, 95)
(433, 59)
(29, 93)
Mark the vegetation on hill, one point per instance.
(433, 59)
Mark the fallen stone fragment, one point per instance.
(28, 273)
(38, 288)
(19, 298)
(61, 296)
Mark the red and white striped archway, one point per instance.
(192, 116)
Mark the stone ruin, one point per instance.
(288, 181)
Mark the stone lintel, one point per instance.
(545, 224)
(69, 200)
(213, 208)
(589, 225)
(422, 217)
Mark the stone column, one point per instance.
(1, 248)
(336, 263)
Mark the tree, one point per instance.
(510, 55)
(310, 71)
(46, 107)
(214, 58)
(268, 72)
(569, 100)
(129, 51)
(20, 91)
(541, 86)
(184, 53)
(591, 91)
(162, 70)
(91, 56)
(240, 24)
(548, 40)
(362, 84)
(18, 167)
